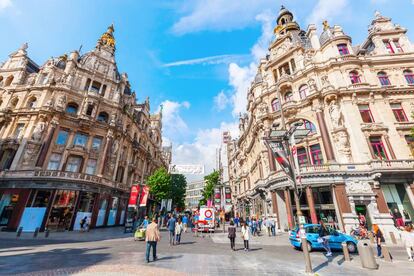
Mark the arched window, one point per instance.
(103, 117)
(1, 80)
(309, 125)
(303, 91)
(9, 80)
(276, 105)
(14, 102)
(383, 78)
(72, 108)
(354, 76)
(288, 96)
(31, 103)
(409, 76)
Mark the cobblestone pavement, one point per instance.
(111, 252)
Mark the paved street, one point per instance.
(110, 252)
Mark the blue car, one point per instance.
(312, 235)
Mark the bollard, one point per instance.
(347, 257)
(392, 236)
(371, 237)
(386, 253)
(19, 232)
(36, 232)
(47, 233)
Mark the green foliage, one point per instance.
(178, 186)
(160, 184)
(212, 180)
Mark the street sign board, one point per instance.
(186, 169)
(302, 220)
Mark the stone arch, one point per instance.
(31, 102)
(9, 80)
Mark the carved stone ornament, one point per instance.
(30, 154)
(262, 108)
(38, 131)
(60, 103)
(342, 144)
(335, 113)
(357, 187)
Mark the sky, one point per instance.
(195, 57)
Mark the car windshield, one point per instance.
(313, 229)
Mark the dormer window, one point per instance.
(389, 47)
(343, 49)
(398, 46)
(383, 78)
(354, 76)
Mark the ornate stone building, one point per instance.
(72, 139)
(357, 102)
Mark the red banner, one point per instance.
(133, 197)
(144, 196)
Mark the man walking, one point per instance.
(185, 223)
(152, 236)
(273, 226)
(171, 228)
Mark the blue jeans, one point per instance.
(152, 244)
(273, 230)
(178, 238)
(172, 237)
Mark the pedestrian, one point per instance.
(236, 221)
(185, 223)
(232, 235)
(362, 220)
(246, 236)
(407, 236)
(273, 226)
(145, 222)
(254, 227)
(379, 239)
(407, 218)
(83, 223)
(171, 228)
(324, 238)
(152, 236)
(178, 231)
(260, 221)
(398, 218)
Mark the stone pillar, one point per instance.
(325, 135)
(275, 209)
(311, 204)
(95, 210)
(381, 203)
(347, 215)
(107, 153)
(387, 141)
(46, 145)
(289, 209)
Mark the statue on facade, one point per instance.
(38, 131)
(61, 102)
(342, 143)
(30, 154)
(112, 121)
(335, 113)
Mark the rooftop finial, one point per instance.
(325, 25)
(107, 39)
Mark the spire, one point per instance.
(285, 22)
(107, 38)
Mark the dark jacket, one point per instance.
(323, 232)
(232, 231)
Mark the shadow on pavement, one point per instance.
(183, 243)
(169, 258)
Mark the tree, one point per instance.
(178, 187)
(160, 184)
(212, 180)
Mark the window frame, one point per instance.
(68, 163)
(354, 77)
(375, 146)
(58, 136)
(276, 106)
(343, 49)
(54, 161)
(76, 137)
(388, 46)
(303, 91)
(367, 111)
(288, 98)
(383, 78)
(72, 105)
(88, 166)
(316, 154)
(409, 76)
(399, 113)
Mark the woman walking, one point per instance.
(232, 235)
(324, 238)
(407, 237)
(379, 239)
(246, 236)
(178, 231)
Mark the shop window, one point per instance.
(62, 210)
(343, 49)
(80, 140)
(410, 142)
(389, 47)
(91, 166)
(62, 137)
(288, 96)
(7, 204)
(54, 161)
(6, 158)
(316, 154)
(302, 157)
(303, 91)
(383, 78)
(378, 148)
(39, 199)
(398, 46)
(103, 117)
(399, 113)
(86, 203)
(88, 83)
(354, 76)
(72, 108)
(96, 143)
(95, 87)
(366, 114)
(73, 163)
(409, 76)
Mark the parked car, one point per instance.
(312, 234)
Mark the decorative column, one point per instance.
(325, 135)
(46, 145)
(381, 203)
(311, 204)
(289, 209)
(275, 209)
(106, 151)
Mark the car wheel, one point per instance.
(351, 247)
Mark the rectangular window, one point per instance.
(88, 83)
(302, 157)
(378, 148)
(62, 137)
(384, 80)
(95, 87)
(316, 154)
(89, 110)
(80, 140)
(365, 113)
(54, 161)
(91, 166)
(343, 49)
(388, 45)
(399, 113)
(18, 132)
(73, 163)
(398, 46)
(96, 143)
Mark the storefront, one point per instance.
(397, 197)
(85, 208)
(62, 210)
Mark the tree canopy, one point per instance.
(212, 180)
(178, 187)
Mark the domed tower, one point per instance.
(285, 22)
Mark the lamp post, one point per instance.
(280, 141)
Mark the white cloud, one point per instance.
(220, 59)
(326, 10)
(5, 4)
(221, 101)
(172, 122)
(219, 15)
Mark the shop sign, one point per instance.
(327, 206)
(144, 196)
(186, 169)
(227, 194)
(217, 198)
(133, 197)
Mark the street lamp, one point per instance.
(280, 141)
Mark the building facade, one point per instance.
(357, 103)
(193, 194)
(72, 139)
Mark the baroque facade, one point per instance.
(357, 103)
(72, 139)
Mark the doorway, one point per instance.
(362, 209)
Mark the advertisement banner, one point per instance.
(169, 205)
(186, 169)
(133, 197)
(227, 194)
(144, 196)
(217, 198)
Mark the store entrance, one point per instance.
(61, 214)
(362, 209)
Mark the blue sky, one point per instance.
(195, 57)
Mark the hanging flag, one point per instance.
(144, 196)
(279, 154)
(133, 196)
